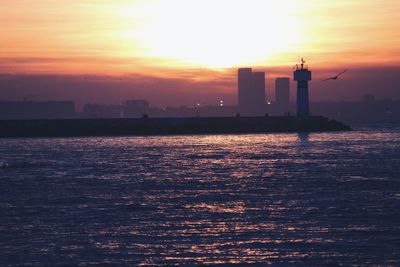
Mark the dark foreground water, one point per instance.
(285, 199)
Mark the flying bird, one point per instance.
(336, 77)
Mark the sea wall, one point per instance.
(165, 126)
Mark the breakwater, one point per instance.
(165, 126)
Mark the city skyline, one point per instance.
(82, 50)
(251, 101)
(199, 132)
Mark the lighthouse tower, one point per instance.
(302, 75)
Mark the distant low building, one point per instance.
(369, 99)
(129, 109)
(28, 110)
(135, 108)
(96, 111)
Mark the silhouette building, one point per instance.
(244, 88)
(34, 110)
(282, 94)
(135, 108)
(96, 111)
(251, 92)
(302, 75)
(369, 99)
(129, 109)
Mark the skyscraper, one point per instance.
(282, 94)
(244, 89)
(251, 92)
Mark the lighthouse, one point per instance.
(302, 75)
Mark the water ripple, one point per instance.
(285, 199)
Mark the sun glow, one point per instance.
(215, 34)
(162, 36)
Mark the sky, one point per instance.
(184, 51)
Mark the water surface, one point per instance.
(300, 199)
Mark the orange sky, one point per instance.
(164, 36)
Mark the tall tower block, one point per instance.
(302, 75)
(245, 76)
(251, 92)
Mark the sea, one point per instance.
(282, 199)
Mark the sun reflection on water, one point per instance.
(197, 200)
